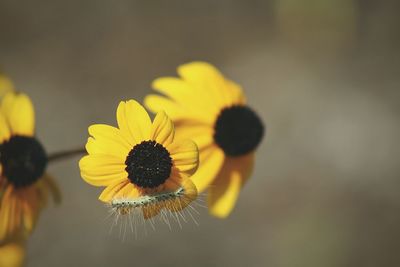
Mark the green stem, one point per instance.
(65, 154)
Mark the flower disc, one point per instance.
(148, 164)
(238, 130)
(23, 160)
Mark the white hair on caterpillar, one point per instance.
(166, 205)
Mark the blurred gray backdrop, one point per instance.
(323, 74)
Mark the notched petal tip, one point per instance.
(163, 130)
(133, 120)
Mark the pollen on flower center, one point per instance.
(148, 164)
(238, 130)
(23, 160)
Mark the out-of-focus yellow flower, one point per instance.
(140, 164)
(12, 253)
(212, 111)
(24, 186)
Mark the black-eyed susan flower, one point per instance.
(24, 185)
(212, 111)
(140, 163)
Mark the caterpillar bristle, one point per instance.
(133, 212)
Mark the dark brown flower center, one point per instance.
(148, 164)
(23, 160)
(238, 130)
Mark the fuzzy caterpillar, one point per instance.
(123, 205)
(175, 204)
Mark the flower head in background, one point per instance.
(141, 165)
(24, 185)
(212, 110)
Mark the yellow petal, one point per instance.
(12, 222)
(12, 254)
(5, 213)
(222, 197)
(108, 194)
(33, 200)
(211, 161)
(156, 103)
(186, 95)
(107, 140)
(175, 111)
(134, 121)
(18, 210)
(122, 190)
(206, 77)
(162, 129)
(129, 191)
(12, 212)
(4, 129)
(109, 132)
(223, 193)
(200, 133)
(102, 170)
(174, 88)
(6, 85)
(28, 216)
(199, 72)
(185, 156)
(19, 113)
(235, 93)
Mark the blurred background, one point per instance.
(323, 74)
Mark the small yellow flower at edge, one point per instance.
(139, 163)
(212, 110)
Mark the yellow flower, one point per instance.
(212, 111)
(12, 253)
(139, 163)
(24, 186)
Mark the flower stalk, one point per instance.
(56, 156)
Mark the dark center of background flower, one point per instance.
(23, 160)
(238, 130)
(148, 164)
